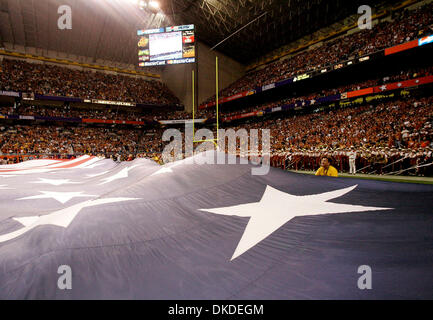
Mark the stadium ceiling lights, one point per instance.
(154, 4)
(149, 4)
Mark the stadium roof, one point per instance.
(284, 21)
(106, 29)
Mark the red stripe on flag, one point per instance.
(52, 165)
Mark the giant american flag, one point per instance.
(138, 230)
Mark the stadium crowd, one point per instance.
(380, 134)
(386, 137)
(136, 114)
(409, 25)
(107, 113)
(66, 141)
(53, 80)
(122, 113)
(394, 77)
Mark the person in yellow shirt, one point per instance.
(326, 169)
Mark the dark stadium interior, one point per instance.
(216, 149)
(25, 22)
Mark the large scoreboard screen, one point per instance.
(170, 45)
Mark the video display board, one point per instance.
(164, 46)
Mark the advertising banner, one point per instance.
(181, 121)
(401, 47)
(9, 93)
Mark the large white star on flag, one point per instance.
(277, 207)
(55, 182)
(62, 197)
(120, 175)
(61, 218)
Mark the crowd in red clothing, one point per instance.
(23, 139)
(402, 124)
(380, 135)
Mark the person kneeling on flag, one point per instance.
(326, 169)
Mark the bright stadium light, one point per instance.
(154, 4)
(142, 4)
